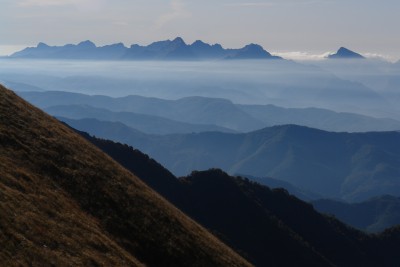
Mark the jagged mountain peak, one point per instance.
(87, 44)
(345, 53)
(178, 40)
(42, 45)
(175, 49)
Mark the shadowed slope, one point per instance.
(64, 202)
(351, 166)
(216, 201)
(373, 215)
(265, 225)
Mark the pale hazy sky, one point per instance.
(311, 27)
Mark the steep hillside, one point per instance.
(351, 166)
(265, 225)
(64, 202)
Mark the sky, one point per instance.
(296, 28)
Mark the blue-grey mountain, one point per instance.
(214, 111)
(175, 49)
(263, 224)
(373, 215)
(146, 123)
(344, 53)
(350, 166)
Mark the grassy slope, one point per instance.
(64, 202)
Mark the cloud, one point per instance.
(177, 11)
(306, 56)
(297, 55)
(379, 56)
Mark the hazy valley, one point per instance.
(176, 154)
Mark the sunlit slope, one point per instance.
(63, 202)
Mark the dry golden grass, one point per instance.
(65, 203)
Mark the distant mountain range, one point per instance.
(196, 114)
(175, 49)
(372, 215)
(272, 183)
(145, 123)
(350, 166)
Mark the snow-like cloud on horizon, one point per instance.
(302, 56)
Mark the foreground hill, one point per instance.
(270, 227)
(351, 166)
(211, 111)
(63, 202)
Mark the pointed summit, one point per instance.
(199, 42)
(252, 51)
(344, 53)
(42, 45)
(179, 40)
(87, 44)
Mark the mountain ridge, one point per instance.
(219, 111)
(175, 49)
(259, 221)
(372, 215)
(150, 124)
(350, 166)
(64, 202)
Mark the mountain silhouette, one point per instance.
(252, 51)
(204, 50)
(344, 53)
(175, 49)
(349, 166)
(264, 224)
(64, 202)
(293, 190)
(373, 215)
(215, 111)
(145, 123)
